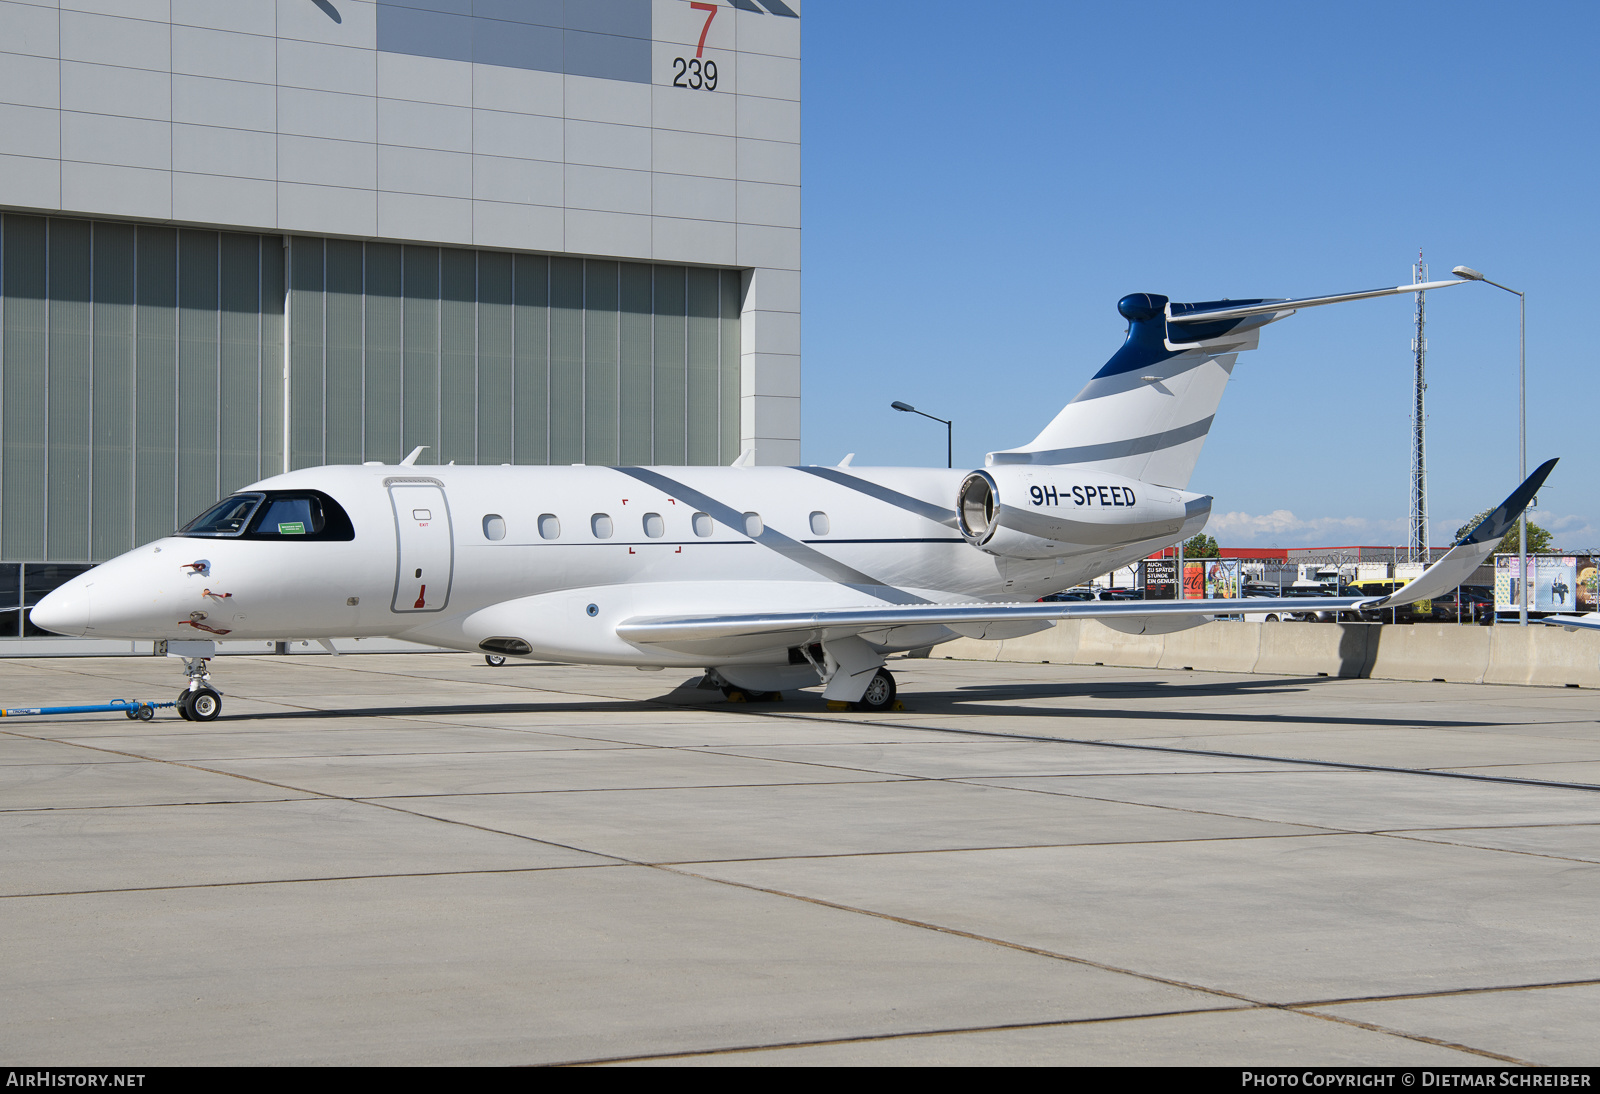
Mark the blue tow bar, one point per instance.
(133, 708)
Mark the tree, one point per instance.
(1203, 546)
(1539, 540)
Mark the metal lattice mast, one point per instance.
(1419, 461)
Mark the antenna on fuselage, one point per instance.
(412, 459)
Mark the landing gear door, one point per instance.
(426, 547)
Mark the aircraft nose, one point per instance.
(65, 611)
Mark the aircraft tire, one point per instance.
(183, 706)
(494, 660)
(205, 705)
(879, 695)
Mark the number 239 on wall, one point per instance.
(697, 72)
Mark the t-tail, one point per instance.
(1145, 415)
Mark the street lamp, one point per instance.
(1470, 274)
(949, 432)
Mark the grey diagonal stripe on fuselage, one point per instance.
(936, 513)
(1112, 450)
(809, 557)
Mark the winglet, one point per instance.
(1503, 519)
(1473, 548)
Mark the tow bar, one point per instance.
(133, 708)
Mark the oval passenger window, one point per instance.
(549, 526)
(819, 524)
(654, 526)
(703, 524)
(752, 525)
(600, 525)
(494, 526)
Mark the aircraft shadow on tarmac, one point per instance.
(975, 703)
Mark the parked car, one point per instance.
(1079, 593)
(1477, 606)
(1298, 592)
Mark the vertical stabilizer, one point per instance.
(1145, 415)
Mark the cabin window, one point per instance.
(752, 525)
(549, 526)
(703, 524)
(654, 526)
(819, 524)
(600, 525)
(494, 526)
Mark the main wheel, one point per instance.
(205, 705)
(879, 695)
(493, 659)
(183, 705)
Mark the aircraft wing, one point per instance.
(1588, 622)
(696, 632)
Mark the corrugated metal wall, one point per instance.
(121, 347)
(487, 357)
(141, 368)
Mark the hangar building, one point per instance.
(242, 238)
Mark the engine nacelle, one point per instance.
(1043, 511)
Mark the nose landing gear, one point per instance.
(199, 702)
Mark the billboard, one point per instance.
(1161, 579)
(1556, 583)
(1222, 578)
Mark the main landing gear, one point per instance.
(879, 695)
(199, 702)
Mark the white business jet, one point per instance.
(767, 578)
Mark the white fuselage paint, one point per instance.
(882, 542)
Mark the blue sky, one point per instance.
(982, 182)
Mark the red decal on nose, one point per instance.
(422, 598)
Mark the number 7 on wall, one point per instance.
(711, 13)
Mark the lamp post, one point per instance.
(949, 431)
(1470, 274)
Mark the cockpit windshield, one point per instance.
(228, 517)
(274, 514)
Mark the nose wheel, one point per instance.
(200, 705)
(199, 702)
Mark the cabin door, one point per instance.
(426, 547)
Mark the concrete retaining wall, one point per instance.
(1539, 655)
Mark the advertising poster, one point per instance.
(1505, 583)
(1555, 583)
(1222, 578)
(1558, 583)
(1194, 581)
(1161, 579)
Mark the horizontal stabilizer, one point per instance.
(1269, 307)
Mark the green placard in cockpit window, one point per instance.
(298, 528)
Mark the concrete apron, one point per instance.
(1539, 655)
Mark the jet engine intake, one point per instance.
(1035, 512)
